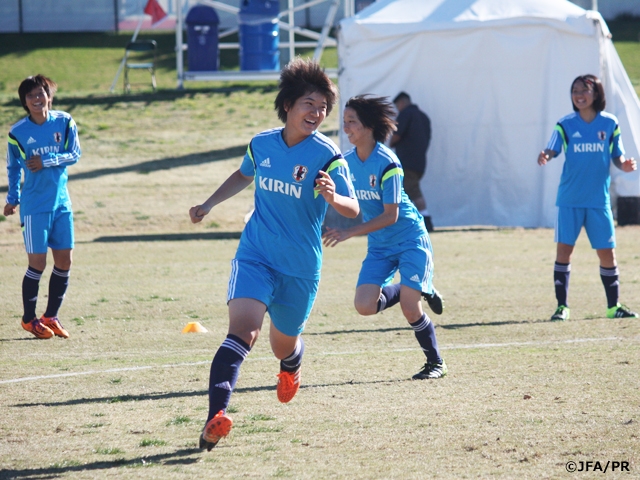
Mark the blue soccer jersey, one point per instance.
(589, 148)
(56, 141)
(378, 181)
(284, 232)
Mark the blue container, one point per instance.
(202, 39)
(258, 31)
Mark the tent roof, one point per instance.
(384, 16)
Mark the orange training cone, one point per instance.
(194, 327)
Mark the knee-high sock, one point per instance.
(30, 284)
(58, 284)
(610, 280)
(561, 274)
(389, 297)
(425, 332)
(292, 362)
(225, 368)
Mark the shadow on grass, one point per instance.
(363, 330)
(197, 393)
(168, 237)
(19, 339)
(160, 164)
(451, 326)
(165, 163)
(479, 228)
(179, 457)
(128, 398)
(455, 326)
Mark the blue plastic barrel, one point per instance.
(258, 31)
(202, 39)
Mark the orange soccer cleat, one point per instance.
(288, 385)
(37, 328)
(55, 326)
(215, 429)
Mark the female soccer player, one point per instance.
(397, 236)
(42, 145)
(591, 140)
(297, 173)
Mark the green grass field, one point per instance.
(126, 396)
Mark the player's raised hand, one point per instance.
(325, 186)
(629, 165)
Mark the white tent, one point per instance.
(494, 77)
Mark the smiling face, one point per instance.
(304, 117)
(37, 101)
(358, 134)
(582, 96)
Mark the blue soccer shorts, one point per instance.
(48, 230)
(288, 299)
(598, 222)
(412, 258)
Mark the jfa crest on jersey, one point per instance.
(372, 181)
(300, 172)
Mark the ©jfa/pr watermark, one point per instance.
(597, 466)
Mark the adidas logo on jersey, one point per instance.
(31, 140)
(266, 163)
(576, 135)
(415, 278)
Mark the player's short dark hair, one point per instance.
(402, 96)
(301, 77)
(375, 113)
(594, 83)
(35, 81)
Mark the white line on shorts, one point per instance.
(188, 364)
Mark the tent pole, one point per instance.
(292, 49)
(179, 46)
(317, 55)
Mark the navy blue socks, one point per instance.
(57, 288)
(225, 369)
(389, 297)
(561, 273)
(425, 333)
(609, 277)
(30, 284)
(292, 362)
